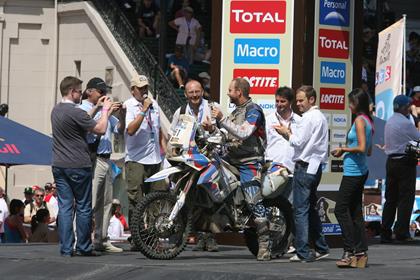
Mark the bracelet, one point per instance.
(142, 113)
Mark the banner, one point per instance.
(389, 68)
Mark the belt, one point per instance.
(105, 156)
(302, 163)
(396, 156)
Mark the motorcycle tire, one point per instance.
(149, 235)
(279, 247)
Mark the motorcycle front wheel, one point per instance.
(152, 232)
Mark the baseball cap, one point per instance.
(28, 190)
(402, 100)
(99, 84)
(116, 201)
(139, 81)
(204, 75)
(416, 89)
(189, 9)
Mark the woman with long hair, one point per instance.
(13, 225)
(348, 208)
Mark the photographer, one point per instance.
(400, 172)
(4, 109)
(100, 148)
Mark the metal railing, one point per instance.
(138, 54)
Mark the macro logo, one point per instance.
(262, 81)
(333, 72)
(332, 98)
(257, 51)
(334, 12)
(261, 17)
(333, 43)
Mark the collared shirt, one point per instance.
(144, 146)
(278, 149)
(399, 130)
(310, 139)
(4, 212)
(105, 144)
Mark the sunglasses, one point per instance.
(39, 195)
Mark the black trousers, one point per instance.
(399, 194)
(348, 210)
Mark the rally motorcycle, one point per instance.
(206, 196)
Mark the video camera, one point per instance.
(413, 149)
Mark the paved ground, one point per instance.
(43, 262)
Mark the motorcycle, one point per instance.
(206, 196)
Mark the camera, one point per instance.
(413, 149)
(4, 108)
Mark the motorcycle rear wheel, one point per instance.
(282, 220)
(151, 232)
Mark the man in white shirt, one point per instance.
(143, 139)
(310, 141)
(4, 212)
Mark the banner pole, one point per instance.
(404, 55)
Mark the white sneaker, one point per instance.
(108, 247)
(291, 250)
(296, 258)
(319, 256)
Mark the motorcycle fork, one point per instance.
(182, 196)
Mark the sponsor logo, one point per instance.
(336, 166)
(383, 75)
(257, 51)
(331, 229)
(334, 12)
(339, 120)
(333, 43)
(8, 148)
(338, 135)
(263, 17)
(333, 72)
(332, 98)
(262, 81)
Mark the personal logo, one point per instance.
(333, 43)
(334, 12)
(257, 51)
(333, 72)
(332, 98)
(258, 17)
(262, 81)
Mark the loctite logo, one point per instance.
(262, 81)
(333, 43)
(266, 17)
(332, 98)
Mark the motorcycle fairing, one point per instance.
(163, 174)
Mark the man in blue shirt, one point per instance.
(101, 149)
(400, 172)
(178, 67)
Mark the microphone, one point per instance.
(146, 96)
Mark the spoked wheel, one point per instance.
(151, 230)
(281, 223)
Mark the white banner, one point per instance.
(389, 68)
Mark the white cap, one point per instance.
(116, 201)
(416, 89)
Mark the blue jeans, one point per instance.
(307, 221)
(74, 189)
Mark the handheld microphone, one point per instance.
(146, 96)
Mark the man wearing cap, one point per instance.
(101, 148)
(400, 172)
(29, 195)
(143, 139)
(72, 166)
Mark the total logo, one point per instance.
(257, 51)
(334, 12)
(262, 81)
(333, 43)
(332, 98)
(264, 17)
(339, 120)
(383, 75)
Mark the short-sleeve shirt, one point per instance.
(148, 14)
(69, 128)
(183, 62)
(186, 29)
(144, 146)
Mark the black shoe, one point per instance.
(92, 253)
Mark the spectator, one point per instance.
(189, 30)
(101, 150)
(13, 226)
(413, 59)
(144, 139)
(349, 203)
(29, 195)
(116, 227)
(415, 107)
(51, 199)
(310, 141)
(178, 67)
(400, 172)
(148, 18)
(4, 212)
(72, 166)
(39, 226)
(205, 81)
(33, 207)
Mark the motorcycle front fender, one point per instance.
(163, 174)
